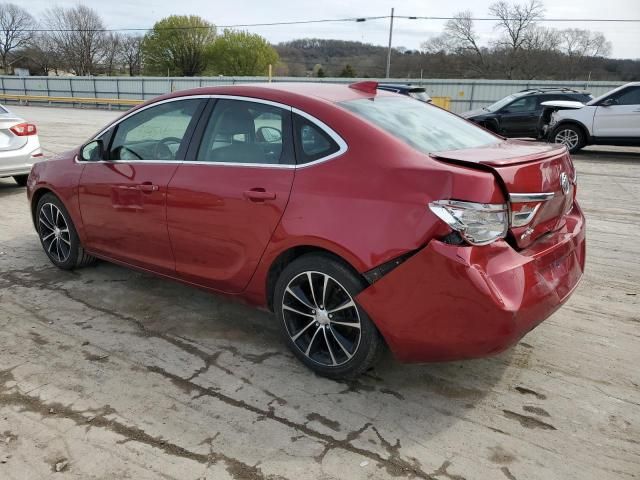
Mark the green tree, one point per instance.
(242, 53)
(320, 73)
(348, 71)
(179, 45)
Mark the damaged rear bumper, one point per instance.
(450, 302)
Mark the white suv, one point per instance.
(612, 119)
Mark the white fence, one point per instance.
(464, 94)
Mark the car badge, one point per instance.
(564, 183)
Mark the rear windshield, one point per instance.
(424, 127)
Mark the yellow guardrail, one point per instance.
(81, 100)
(442, 102)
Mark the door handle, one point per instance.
(259, 195)
(147, 187)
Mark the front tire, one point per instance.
(58, 234)
(321, 322)
(21, 180)
(570, 136)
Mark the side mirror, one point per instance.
(608, 102)
(270, 134)
(92, 151)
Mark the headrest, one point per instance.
(236, 119)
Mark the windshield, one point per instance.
(424, 127)
(602, 97)
(501, 103)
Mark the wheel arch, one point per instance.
(576, 123)
(287, 256)
(35, 198)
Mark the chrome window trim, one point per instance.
(342, 145)
(141, 109)
(530, 197)
(230, 164)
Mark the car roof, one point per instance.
(546, 90)
(285, 92)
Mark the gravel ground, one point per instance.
(108, 373)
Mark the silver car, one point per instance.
(19, 146)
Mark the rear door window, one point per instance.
(312, 142)
(245, 132)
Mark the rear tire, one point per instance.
(570, 136)
(21, 180)
(322, 324)
(58, 234)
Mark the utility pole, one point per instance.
(390, 38)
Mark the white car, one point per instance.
(19, 146)
(611, 119)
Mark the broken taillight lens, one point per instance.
(477, 223)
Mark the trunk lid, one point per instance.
(9, 140)
(535, 176)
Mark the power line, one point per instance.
(495, 19)
(325, 20)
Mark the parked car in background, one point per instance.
(419, 93)
(611, 119)
(519, 114)
(455, 245)
(19, 146)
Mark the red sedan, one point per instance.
(362, 218)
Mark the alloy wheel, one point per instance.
(567, 137)
(54, 232)
(321, 318)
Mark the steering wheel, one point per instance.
(127, 151)
(162, 151)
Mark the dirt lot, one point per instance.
(108, 373)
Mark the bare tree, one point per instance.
(542, 39)
(131, 50)
(78, 33)
(16, 30)
(516, 21)
(42, 52)
(580, 45)
(459, 37)
(576, 42)
(112, 52)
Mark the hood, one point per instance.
(508, 152)
(563, 104)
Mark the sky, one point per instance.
(625, 37)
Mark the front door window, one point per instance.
(157, 133)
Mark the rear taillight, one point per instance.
(24, 129)
(477, 223)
